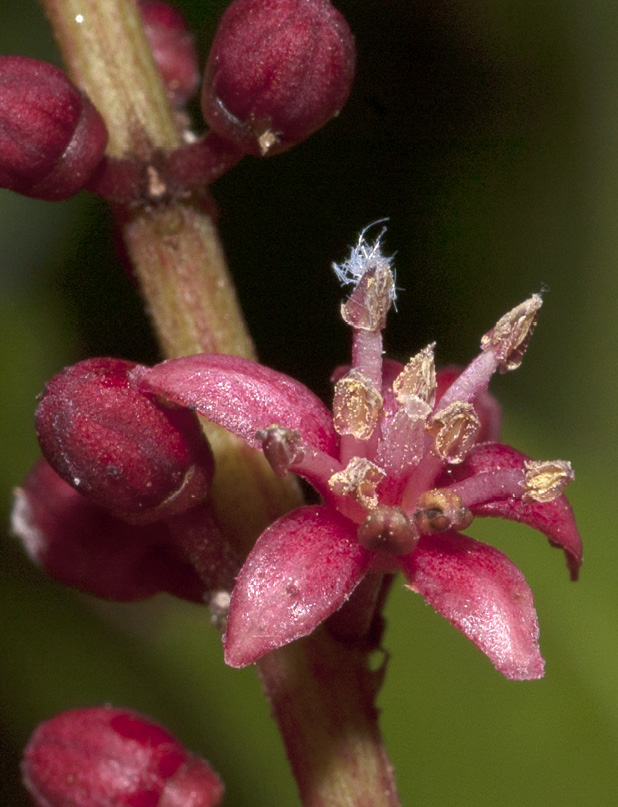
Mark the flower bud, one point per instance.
(119, 446)
(278, 70)
(113, 757)
(51, 136)
(86, 547)
(173, 49)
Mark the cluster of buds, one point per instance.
(278, 70)
(114, 758)
(118, 508)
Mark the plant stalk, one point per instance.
(322, 694)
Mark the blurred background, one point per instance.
(488, 134)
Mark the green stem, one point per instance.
(322, 694)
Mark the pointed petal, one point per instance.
(483, 595)
(554, 519)
(242, 396)
(301, 570)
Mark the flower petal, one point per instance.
(554, 519)
(483, 595)
(301, 570)
(242, 396)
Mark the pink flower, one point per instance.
(407, 459)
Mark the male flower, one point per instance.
(403, 464)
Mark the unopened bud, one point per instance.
(173, 49)
(119, 446)
(86, 547)
(277, 71)
(113, 757)
(51, 136)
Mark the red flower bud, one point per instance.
(120, 447)
(86, 547)
(114, 758)
(278, 70)
(51, 136)
(173, 49)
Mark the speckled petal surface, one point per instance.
(483, 595)
(301, 570)
(242, 396)
(554, 519)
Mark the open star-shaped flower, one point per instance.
(405, 462)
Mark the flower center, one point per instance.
(389, 531)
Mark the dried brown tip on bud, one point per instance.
(282, 447)
(369, 303)
(546, 479)
(358, 480)
(388, 530)
(418, 378)
(357, 405)
(455, 429)
(510, 336)
(439, 510)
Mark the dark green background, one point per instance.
(488, 133)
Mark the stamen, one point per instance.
(439, 510)
(359, 480)
(389, 531)
(369, 303)
(282, 447)
(366, 308)
(472, 381)
(285, 451)
(510, 336)
(402, 439)
(357, 406)
(546, 479)
(418, 378)
(490, 486)
(455, 429)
